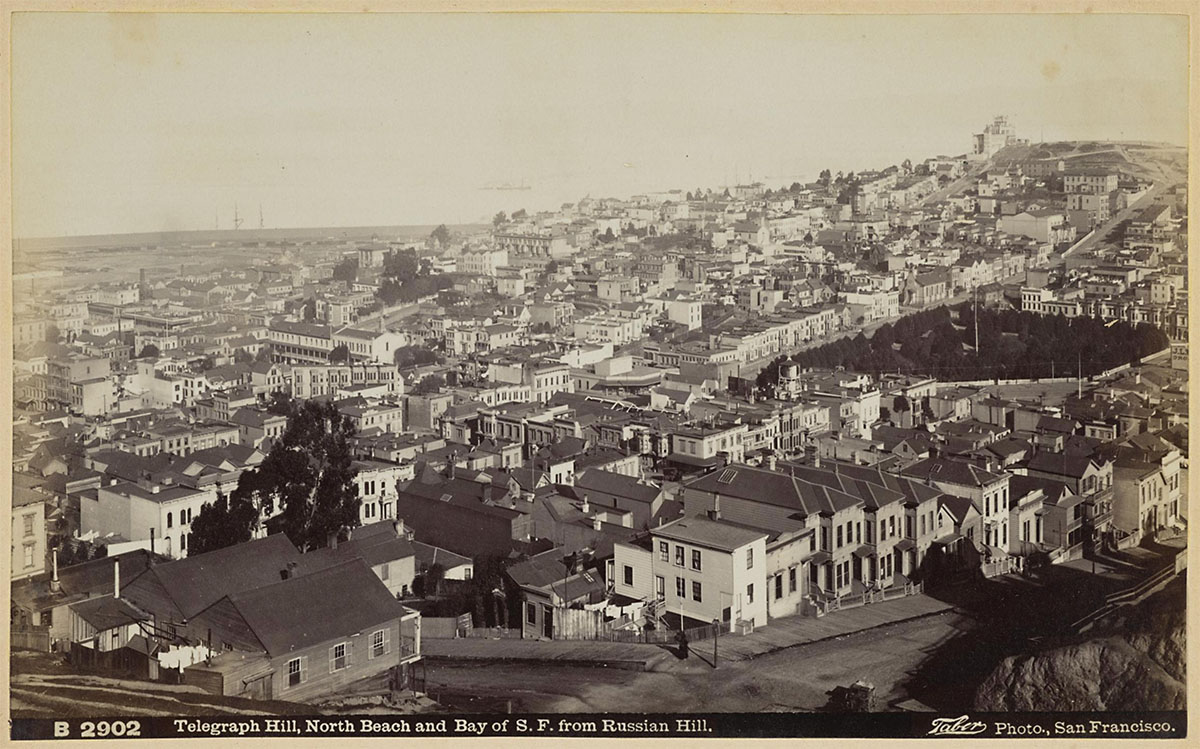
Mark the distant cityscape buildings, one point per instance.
(598, 423)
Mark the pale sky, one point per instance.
(139, 122)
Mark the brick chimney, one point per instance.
(586, 507)
(596, 522)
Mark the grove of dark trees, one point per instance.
(1012, 345)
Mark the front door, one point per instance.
(548, 622)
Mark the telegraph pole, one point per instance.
(976, 319)
(716, 634)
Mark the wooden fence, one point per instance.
(1134, 594)
(854, 600)
(1001, 566)
(30, 638)
(663, 636)
(492, 633)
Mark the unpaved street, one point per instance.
(795, 679)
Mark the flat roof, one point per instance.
(704, 532)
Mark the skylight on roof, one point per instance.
(727, 476)
(446, 497)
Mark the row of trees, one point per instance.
(1012, 345)
(308, 476)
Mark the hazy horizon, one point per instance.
(151, 123)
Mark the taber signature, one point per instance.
(960, 726)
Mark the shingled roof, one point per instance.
(336, 602)
(775, 487)
(951, 472)
(185, 587)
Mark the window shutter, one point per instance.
(387, 641)
(371, 648)
(303, 668)
(331, 661)
(349, 654)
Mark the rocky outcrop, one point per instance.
(1135, 663)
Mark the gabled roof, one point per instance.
(951, 472)
(958, 507)
(428, 554)
(330, 604)
(615, 484)
(1008, 447)
(540, 570)
(775, 487)
(375, 544)
(1020, 486)
(1060, 464)
(190, 585)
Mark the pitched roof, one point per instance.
(1060, 464)
(329, 604)
(540, 570)
(951, 472)
(194, 583)
(428, 554)
(375, 544)
(87, 578)
(775, 487)
(958, 507)
(615, 484)
(1020, 486)
(106, 612)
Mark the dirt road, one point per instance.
(795, 679)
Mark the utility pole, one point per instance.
(976, 319)
(716, 634)
(1079, 392)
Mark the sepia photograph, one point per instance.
(589, 374)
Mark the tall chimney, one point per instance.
(55, 586)
(596, 522)
(151, 541)
(116, 578)
(586, 506)
(715, 512)
(817, 458)
(771, 462)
